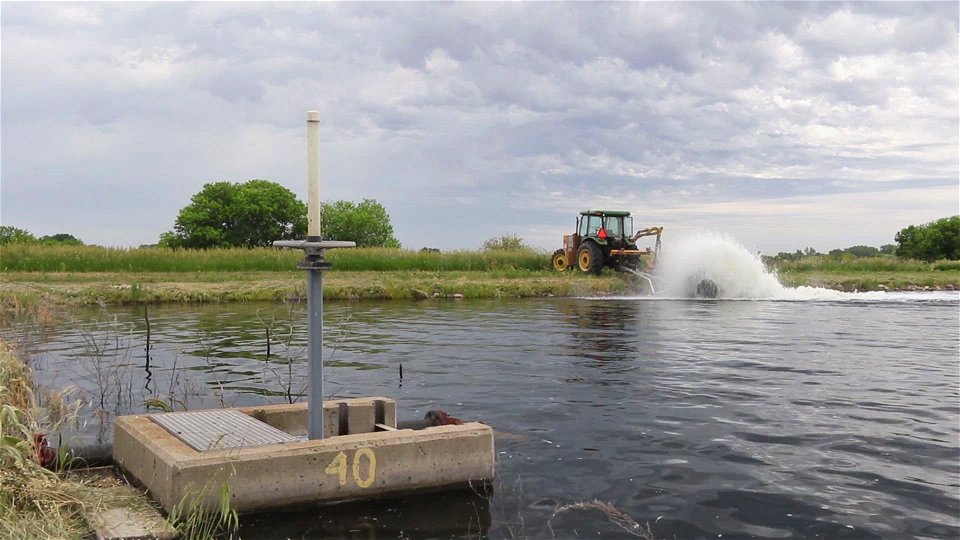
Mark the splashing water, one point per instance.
(737, 273)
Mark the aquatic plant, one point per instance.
(194, 520)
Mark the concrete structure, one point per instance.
(361, 456)
(127, 524)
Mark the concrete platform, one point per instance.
(353, 461)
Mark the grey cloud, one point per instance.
(482, 107)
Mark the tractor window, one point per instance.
(590, 225)
(614, 225)
(628, 227)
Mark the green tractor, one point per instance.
(606, 238)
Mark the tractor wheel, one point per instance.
(559, 260)
(590, 258)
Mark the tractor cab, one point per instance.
(604, 238)
(605, 225)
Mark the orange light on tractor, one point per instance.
(602, 234)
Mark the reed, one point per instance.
(58, 258)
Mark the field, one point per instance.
(91, 275)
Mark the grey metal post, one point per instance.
(314, 264)
(315, 350)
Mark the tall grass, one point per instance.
(40, 258)
(843, 265)
(36, 502)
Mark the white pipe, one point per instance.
(313, 175)
(645, 276)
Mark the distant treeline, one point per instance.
(853, 251)
(937, 240)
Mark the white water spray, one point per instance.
(737, 273)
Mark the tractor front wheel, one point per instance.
(590, 258)
(559, 260)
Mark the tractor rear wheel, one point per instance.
(559, 260)
(590, 258)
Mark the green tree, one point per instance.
(888, 249)
(249, 214)
(506, 242)
(863, 251)
(939, 239)
(367, 223)
(62, 239)
(13, 235)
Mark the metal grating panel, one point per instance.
(219, 429)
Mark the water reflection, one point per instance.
(452, 514)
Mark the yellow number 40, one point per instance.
(339, 467)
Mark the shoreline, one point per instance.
(121, 288)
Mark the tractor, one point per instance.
(605, 238)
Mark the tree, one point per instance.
(863, 251)
(62, 239)
(366, 223)
(931, 241)
(506, 242)
(13, 235)
(888, 249)
(251, 214)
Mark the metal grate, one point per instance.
(219, 429)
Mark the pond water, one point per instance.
(828, 415)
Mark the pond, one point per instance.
(831, 418)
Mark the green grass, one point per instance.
(868, 273)
(39, 258)
(38, 275)
(851, 265)
(25, 290)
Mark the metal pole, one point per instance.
(314, 282)
(314, 264)
(315, 351)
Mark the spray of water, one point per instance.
(737, 273)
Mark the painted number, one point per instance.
(362, 478)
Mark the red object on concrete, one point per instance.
(441, 418)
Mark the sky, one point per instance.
(781, 125)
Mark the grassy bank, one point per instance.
(90, 275)
(130, 287)
(868, 273)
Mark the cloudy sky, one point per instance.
(783, 125)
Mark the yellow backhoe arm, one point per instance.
(649, 231)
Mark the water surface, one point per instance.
(704, 419)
